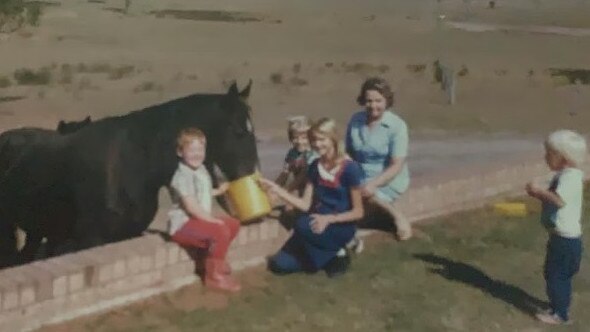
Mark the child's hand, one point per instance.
(223, 187)
(532, 189)
(267, 184)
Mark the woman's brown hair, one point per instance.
(376, 84)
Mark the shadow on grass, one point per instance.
(474, 277)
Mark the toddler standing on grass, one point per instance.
(565, 151)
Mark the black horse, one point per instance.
(16, 144)
(65, 127)
(113, 168)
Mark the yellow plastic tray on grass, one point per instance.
(248, 200)
(511, 209)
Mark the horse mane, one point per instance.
(158, 108)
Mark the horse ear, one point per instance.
(87, 119)
(233, 89)
(60, 125)
(246, 92)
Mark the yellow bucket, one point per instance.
(248, 200)
(511, 209)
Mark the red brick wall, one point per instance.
(101, 278)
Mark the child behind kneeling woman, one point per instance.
(192, 224)
(299, 156)
(565, 152)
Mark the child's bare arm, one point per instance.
(220, 190)
(551, 197)
(193, 209)
(301, 203)
(544, 195)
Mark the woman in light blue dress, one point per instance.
(377, 139)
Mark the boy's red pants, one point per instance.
(211, 236)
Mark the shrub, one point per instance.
(25, 76)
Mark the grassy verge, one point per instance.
(472, 271)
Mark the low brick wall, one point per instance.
(102, 278)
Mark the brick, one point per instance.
(173, 253)
(79, 269)
(253, 233)
(116, 251)
(147, 263)
(60, 286)
(143, 255)
(177, 271)
(273, 229)
(236, 253)
(142, 280)
(144, 244)
(25, 283)
(119, 269)
(27, 292)
(47, 273)
(114, 288)
(105, 273)
(160, 257)
(110, 263)
(264, 230)
(156, 276)
(184, 256)
(10, 293)
(246, 252)
(259, 250)
(134, 264)
(86, 297)
(243, 235)
(97, 266)
(27, 296)
(76, 282)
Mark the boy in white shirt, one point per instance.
(191, 222)
(565, 151)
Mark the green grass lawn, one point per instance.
(472, 271)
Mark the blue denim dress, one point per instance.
(312, 251)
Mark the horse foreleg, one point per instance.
(32, 244)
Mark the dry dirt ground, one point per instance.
(99, 58)
(305, 57)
